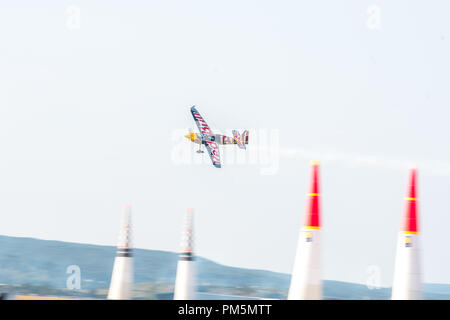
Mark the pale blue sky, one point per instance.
(87, 117)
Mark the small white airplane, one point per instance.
(212, 141)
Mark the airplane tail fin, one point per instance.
(241, 140)
(244, 137)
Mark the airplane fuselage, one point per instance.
(202, 138)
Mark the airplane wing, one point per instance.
(213, 151)
(211, 146)
(200, 122)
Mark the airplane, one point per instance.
(212, 141)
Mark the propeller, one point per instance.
(191, 135)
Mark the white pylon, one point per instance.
(185, 286)
(306, 283)
(407, 274)
(121, 286)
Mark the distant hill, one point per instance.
(38, 264)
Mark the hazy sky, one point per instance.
(92, 116)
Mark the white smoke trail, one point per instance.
(265, 151)
(426, 166)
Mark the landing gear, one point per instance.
(200, 149)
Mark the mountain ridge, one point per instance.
(37, 262)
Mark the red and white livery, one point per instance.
(212, 141)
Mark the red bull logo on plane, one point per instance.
(215, 157)
(203, 126)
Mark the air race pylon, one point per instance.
(121, 286)
(306, 281)
(407, 273)
(185, 279)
